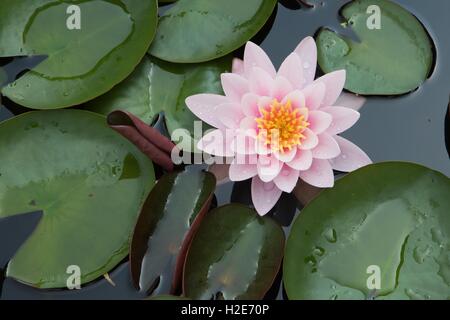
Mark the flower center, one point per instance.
(281, 126)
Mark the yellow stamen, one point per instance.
(281, 126)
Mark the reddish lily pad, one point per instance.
(235, 254)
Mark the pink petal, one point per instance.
(314, 95)
(268, 167)
(350, 100)
(240, 172)
(204, 106)
(243, 144)
(264, 103)
(286, 156)
(230, 114)
(264, 195)
(297, 99)
(334, 83)
(327, 148)
(254, 56)
(302, 160)
(307, 52)
(261, 82)
(351, 157)
(319, 175)
(250, 105)
(343, 118)
(292, 70)
(319, 121)
(238, 66)
(249, 123)
(281, 87)
(234, 86)
(310, 141)
(287, 179)
(216, 143)
(261, 148)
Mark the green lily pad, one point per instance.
(157, 86)
(81, 63)
(235, 254)
(392, 60)
(202, 30)
(392, 216)
(168, 219)
(89, 182)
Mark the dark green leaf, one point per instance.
(165, 226)
(202, 30)
(235, 254)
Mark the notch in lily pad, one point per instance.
(157, 86)
(391, 58)
(236, 254)
(84, 177)
(387, 221)
(81, 63)
(169, 218)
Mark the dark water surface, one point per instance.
(408, 128)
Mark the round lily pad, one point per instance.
(202, 30)
(90, 47)
(234, 255)
(158, 86)
(88, 181)
(394, 55)
(382, 232)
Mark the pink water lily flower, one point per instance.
(279, 126)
